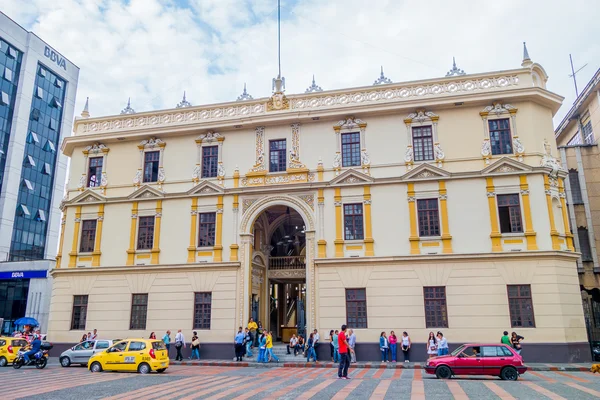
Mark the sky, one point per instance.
(154, 50)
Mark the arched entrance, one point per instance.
(279, 237)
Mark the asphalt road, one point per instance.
(191, 382)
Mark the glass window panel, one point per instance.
(351, 149)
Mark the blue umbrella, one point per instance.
(27, 321)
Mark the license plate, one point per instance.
(163, 364)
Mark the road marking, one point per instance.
(417, 390)
(503, 394)
(543, 391)
(457, 391)
(237, 388)
(346, 390)
(58, 384)
(578, 379)
(194, 393)
(381, 390)
(584, 389)
(397, 374)
(314, 390)
(362, 373)
(544, 377)
(152, 389)
(378, 373)
(282, 392)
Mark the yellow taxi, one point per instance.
(9, 347)
(132, 355)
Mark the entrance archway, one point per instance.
(278, 234)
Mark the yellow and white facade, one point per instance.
(387, 258)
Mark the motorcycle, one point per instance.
(39, 359)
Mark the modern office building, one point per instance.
(577, 138)
(421, 206)
(37, 98)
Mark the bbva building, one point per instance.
(417, 206)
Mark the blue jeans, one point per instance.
(336, 354)
(442, 352)
(270, 353)
(394, 350)
(261, 356)
(248, 349)
(195, 353)
(310, 352)
(384, 353)
(28, 354)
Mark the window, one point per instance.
(95, 172)
(145, 233)
(422, 143)
(509, 211)
(202, 310)
(151, 159)
(35, 114)
(588, 133)
(500, 136)
(575, 186)
(520, 306)
(495, 351)
(584, 244)
(436, 314)
(210, 161)
(139, 311)
(137, 346)
(5, 98)
(8, 74)
(277, 155)
(351, 149)
(79, 313)
(356, 308)
(353, 221)
(118, 348)
(206, 235)
(88, 236)
(101, 344)
(429, 221)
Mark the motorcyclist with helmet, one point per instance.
(35, 344)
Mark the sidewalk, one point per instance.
(328, 364)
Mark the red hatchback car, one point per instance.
(478, 359)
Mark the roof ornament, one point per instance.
(86, 108)
(128, 109)
(183, 103)
(314, 87)
(382, 80)
(526, 60)
(245, 95)
(455, 71)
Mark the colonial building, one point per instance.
(577, 138)
(418, 206)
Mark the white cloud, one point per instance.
(152, 50)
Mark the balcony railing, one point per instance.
(287, 262)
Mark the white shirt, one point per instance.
(179, 338)
(94, 336)
(293, 342)
(316, 337)
(405, 341)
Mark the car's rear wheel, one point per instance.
(443, 372)
(509, 374)
(160, 371)
(96, 367)
(3, 362)
(65, 361)
(144, 368)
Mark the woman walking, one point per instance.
(406, 343)
(383, 346)
(262, 348)
(252, 327)
(331, 346)
(310, 348)
(195, 346)
(393, 345)
(270, 354)
(516, 342)
(431, 345)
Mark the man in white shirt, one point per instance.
(179, 344)
(293, 344)
(352, 343)
(94, 335)
(316, 343)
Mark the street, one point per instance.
(193, 382)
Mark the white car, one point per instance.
(81, 353)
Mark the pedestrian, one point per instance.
(344, 356)
(331, 347)
(393, 345)
(252, 327)
(300, 345)
(83, 338)
(94, 335)
(195, 346)
(179, 344)
(293, 344)
(167, 341)
(152, 335)
(505, 339)
(516, 342)
(262, 348)
(384, 347)
(89, 336)
(310, 348)
(352, 344)
(239, 344)
(259, 331)
(248, 343)
(431, 345)
(270, 354)
(442, 344)
(406, 343)
(336, 347)
(316, 343)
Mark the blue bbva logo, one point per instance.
(55, 57)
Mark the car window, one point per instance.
(102, 344)
(2, 342)
(19, 343)
(504, 352)
(458, 350)
(471, 351)
(137, 346)
(159, 345)
(490, 351)
(84, 346)
(118, 348)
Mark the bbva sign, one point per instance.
(18, 275)
(55, 57)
